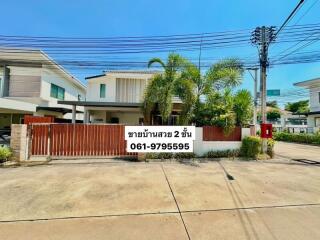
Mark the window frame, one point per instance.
(103, 90)
(57, 92)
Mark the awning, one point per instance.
(101, 104)
(57, 109)
(314, 113)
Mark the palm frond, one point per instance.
(156, 60)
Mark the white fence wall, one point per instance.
(201, 147)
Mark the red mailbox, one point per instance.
(266, 130)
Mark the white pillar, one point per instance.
(74, 111)
(86, 116)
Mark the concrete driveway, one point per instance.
(297, 151)
(266, 200)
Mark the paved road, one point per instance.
(266, 200)
(298, 151)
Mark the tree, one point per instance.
(273, 114)
(182, 78)
(273, 104)
(218, 110)
(243, 107)
(160, 89)
(222, 75)
(300, 107)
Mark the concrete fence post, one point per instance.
(19, 142)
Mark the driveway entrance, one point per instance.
(296, 151)
(128, 201)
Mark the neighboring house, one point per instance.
(116, 97)
(288, 121)
(32, 83)
(313, 86)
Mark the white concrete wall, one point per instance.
(93, 89)
(128, 118)
(201, 147)
(72, 91)
(314, 120)
(314, 99)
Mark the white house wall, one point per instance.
(314, 99)
(137, 82)
(127, 118)
(93, 89)
(71, 90)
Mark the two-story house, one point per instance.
(116, 97)
(32, 83)
(314, 89)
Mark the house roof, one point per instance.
(20, 56)
(95, 76)
(123, 71)
(308, 83)
(134, 71)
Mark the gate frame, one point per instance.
(75, 143)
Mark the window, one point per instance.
(102, 90)
(319, 96)
(114, 120)
(57, 92)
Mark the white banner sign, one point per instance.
(160, 138)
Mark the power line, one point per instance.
(307, 11)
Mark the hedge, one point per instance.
(250, 147)
(5, 154)
(297, 137)
(164, 155)
(230, 153)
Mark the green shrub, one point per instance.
(184, 155)
(223, 154)
(270, 148)
(250, 147)
(297, 137)
(159, 155)
(181, 155)
(5, 154)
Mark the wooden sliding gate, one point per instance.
(78, 140)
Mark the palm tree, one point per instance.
(161, 88)
(243, 107)
(221, 75)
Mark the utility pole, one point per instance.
(262, 37)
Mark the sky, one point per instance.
(114, 18)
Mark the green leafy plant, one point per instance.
(297, 137)
(161, 88)
(270, 147)
(230, 153)
(5, 154)
(300, 107)
(243, 107)
(185, 155)
(250, 147)
(159, 155)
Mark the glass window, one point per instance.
(57, 92)
(319, 96)
(102, 90)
